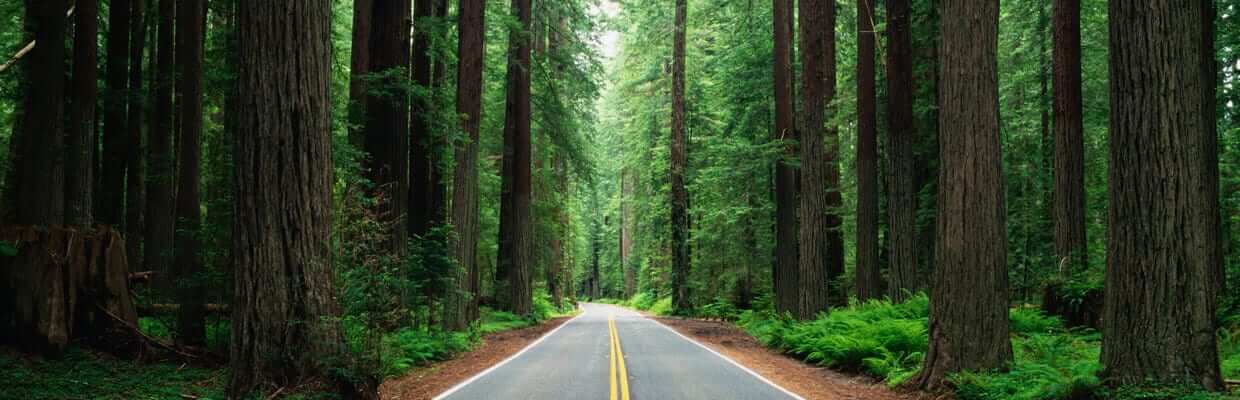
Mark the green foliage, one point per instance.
(719, 309)
(8, 249)
(1031, 321)
(81, 375)
(641, 301)
(662, 307)
(1047, 366)
(410, 348)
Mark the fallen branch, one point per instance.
(1231, 382)
(22, 53)
(155, 309)
(142, 277)
(158, 343)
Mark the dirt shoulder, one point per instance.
(810, 382)
(427, 382)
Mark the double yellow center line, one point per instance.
(617, 362)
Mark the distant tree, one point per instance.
(80, 139)
(786, 183)
(1069, 216)
(157, 243)
(135, 173)
(359, 66)
(387, 117)
(901, 140)
(969, 301)
(191, 316)
(426, 193)
(869, 278)
(681, 264)
(110, 199)
(513, 270)
(284, 330)
(462, 303)
(1163, 246)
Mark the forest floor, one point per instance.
(810, 382)
(424, 383)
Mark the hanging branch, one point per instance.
(22, 53)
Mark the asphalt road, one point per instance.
(576, 361)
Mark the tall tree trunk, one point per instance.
(817, 41)
(36, 192)
(426, 202)
(110, 199)
(627, 224)
(135, 174)
(359, 67)
(387, 117)
(461, 305)
(79, 143)
(157, 246)
(681, 262)
(1209, 69)
(191, 292)
(869, 278)
(969, 302)
(283, 329)
(1069, 216)
(786, 186)
(513, 278)
(1162, 237)
(902, 138)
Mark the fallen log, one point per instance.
(163, 309)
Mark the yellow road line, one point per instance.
(617, 357)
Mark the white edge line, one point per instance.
(725, 358)
(458, 386)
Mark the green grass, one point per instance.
(84, 375)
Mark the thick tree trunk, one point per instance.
(786, 186)
(135, 174)
(969, 303)
(284, 329)
(110, 199)
(359, 67)
(1162, 237)
(79, 143)
(461, 305)
(817, 243)
(36, 192)
(426, 204)
(1070, 244)
(869, 278)
(902, 138)
(191, 292)
(157, 245)
(513, 279)
(387, 118)
(681, 263)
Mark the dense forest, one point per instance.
(1027, 199)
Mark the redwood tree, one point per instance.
(111, 196)
(1069, 160)
(426, 195)
(513, 271)
(969, 303)
(1162, 237)
(786, 264)
(681, 264)
(157, 244)
(283, 326)
(869, 278)
(901, 139)
(358, 68)
(79, 143)
(821, 251)
(387, 117)
(135, 173)
(36, 191)
(191, 324)
(460, 308)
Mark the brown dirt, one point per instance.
(810, 382)
(426, 382)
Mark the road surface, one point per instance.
(581, 360)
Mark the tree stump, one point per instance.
(64, 285)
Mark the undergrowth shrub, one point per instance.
(1047, 366)
(662, 307)
(720, 309)
(411, 348)
(641, 301)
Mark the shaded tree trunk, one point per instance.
(80, 141)
(157, 246)
(513, 273)
(191, 291)
(681, 263)
(969, 303)
(36, 190)
(1069, 217)
(1162, 236)
(817, 261)
(283, 325)
(110, 200)
(902, 138)
(627, 225)
(359, 67)
(786, 186)
(869, 278)
(135, 174)
(387, 118)
(461, 306)
(426, 202)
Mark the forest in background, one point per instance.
(603, 207)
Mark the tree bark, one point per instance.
(283, 326)
(869, 278)
(387, 118)
(36, 192)
(818, 222)
(461, 305)
(426, 202)
(902, 138)
(1071, 247)
(157, 246)
(681, 262)
(359, 67)
(111, 197)
(79, 143)
(135, 174)
(786, 187)
(513, 279)
(969, 303)
(191, 292)
(1162, 236)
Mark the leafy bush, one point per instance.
(1047, 366)
(1030, 321)
(662, 307)
(641, 301)
(410, 348)
(720, 309)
